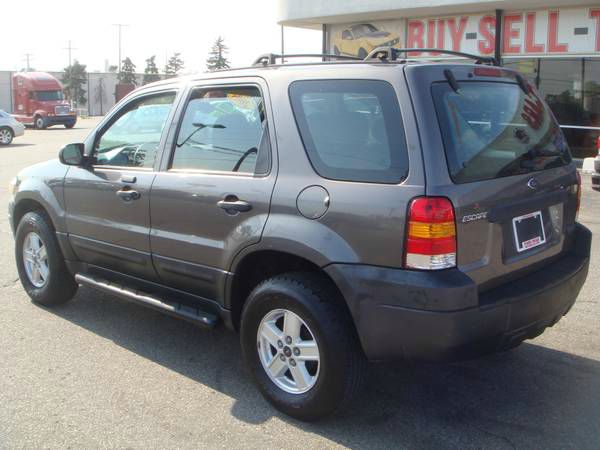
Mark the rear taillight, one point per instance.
(598, 145)
(431, 234)
(578, 194)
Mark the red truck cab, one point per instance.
(39, 101)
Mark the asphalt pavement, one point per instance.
(102, 373)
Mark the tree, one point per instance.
(113, 69)
(174, 66)
(151, 71)
(127, 73)
(217, 59)
(74, 78)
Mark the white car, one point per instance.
(9, 128)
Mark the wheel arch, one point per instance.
(256, 266)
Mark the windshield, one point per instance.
(49, 96)
(494, 130)
(364, 28)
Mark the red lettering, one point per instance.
(595, 14)
(415, 36)
(456, 34)
(441, 32)
(511, 33)
(487, 26)
(530, 45)
(553, 45)
(431, 35)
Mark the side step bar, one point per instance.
(179, 310)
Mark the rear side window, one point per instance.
(351, 129)
(494, 130)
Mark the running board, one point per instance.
(175, 309)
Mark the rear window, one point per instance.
(494, 130)
(351, 129)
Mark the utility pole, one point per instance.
(27, 56)
(119, 27)
(70, 49)
(282, 46)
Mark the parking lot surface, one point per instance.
(98, 372)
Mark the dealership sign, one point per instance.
(560, 31)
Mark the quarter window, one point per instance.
(223, 129)
(132, 139)
(351, 129)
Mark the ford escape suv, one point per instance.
(332, 213)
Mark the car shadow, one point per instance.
(15, 145)
(531, 397)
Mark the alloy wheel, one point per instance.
(35, 260)
(5, 136)
(288, 351)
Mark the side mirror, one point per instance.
(72, 155)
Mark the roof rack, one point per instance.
(271, 58)
(391, 53)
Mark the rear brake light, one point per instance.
(578, 194)
(488, 72)
(431, 234)
(598, 145)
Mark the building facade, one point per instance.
(556, 45)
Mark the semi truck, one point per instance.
(39, 101)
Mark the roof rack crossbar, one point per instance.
(271, 58)
(391, 53)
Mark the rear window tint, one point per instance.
(351, 129)
(494, 130)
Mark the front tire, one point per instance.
(39, 123)
(40, 263)
(312, 366)
(70, 125)
(6, 136)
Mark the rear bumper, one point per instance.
(425, 315)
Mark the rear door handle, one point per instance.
(232, 204)
(128, 195)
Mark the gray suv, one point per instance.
(332, 213)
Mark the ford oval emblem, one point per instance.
(532, 184)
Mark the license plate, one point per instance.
(529, 231)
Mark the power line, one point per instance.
(119, 27)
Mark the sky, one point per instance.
(159, 28)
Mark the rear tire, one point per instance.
(44, 274)
(337, 373)
(6, 136)
(362, 53)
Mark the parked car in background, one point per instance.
(596, 174)
(360, 39)
(39, 101)
(9, 128)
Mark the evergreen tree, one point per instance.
(217, 59)
(127, 73)
(74, 78)
(174, 66)
(151, 71)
